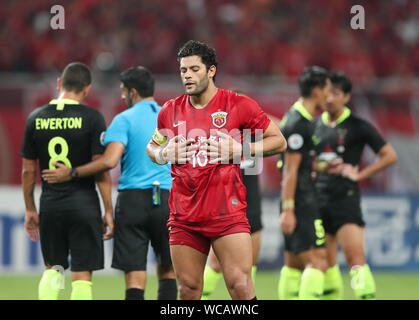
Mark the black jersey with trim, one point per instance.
(69, 133)
(346, 140)
(297, 128)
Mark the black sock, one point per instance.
(167, 289)
(134, 294)
(254, 298)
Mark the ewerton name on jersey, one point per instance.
(58, 123)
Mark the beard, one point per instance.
(201, 86)
(129, 102)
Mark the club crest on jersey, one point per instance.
(219, 119)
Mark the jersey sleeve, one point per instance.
(28, 148)
(117, 131)
(297, 137)
(161, 135)
(372, 137)
(97, 134)
(252, 116)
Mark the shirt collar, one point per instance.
(345, 115)
(61, 102)
(303, 111)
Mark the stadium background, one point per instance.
(262, 46)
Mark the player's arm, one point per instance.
(292, 162)
(162, 150)
(104, 183)
(28, 187)
(155, 148)
(101, 163)
(273, 142)
(386, 157)
(274, 119)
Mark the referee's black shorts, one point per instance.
(137, 223)
(75, 231)
(253, 199)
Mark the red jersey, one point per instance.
(203, 191)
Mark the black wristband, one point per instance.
(74, 174)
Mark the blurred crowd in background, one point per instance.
(260, 37)
(262, 47)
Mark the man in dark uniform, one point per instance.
(70, 219)
(142, 208)
(302, 276)
(340, 138)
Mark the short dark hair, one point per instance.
(341, 81)
(140, 79)
(75, 77)
(197, 48)
(310, 78)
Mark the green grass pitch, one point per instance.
(390, 285)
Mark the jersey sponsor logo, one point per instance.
(328, 154)
(178, 124)
(58, 123)
(295, 141)
(219, 119)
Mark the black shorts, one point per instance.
(137, 223)
(253, 199)
(309, 232)
(340, 210)
(77, 232)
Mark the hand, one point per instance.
(108, 225)
(350, 172)
(334, 166)
(179, 152)
(224, 150)
(58, 175)
(287, 222)
(32, 225)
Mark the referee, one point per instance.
(70, 220)
(141, 213)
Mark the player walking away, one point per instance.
(70, 220)
(207, 200)
(340, 137)
(212, 273)
(302, 276)
(142, 208)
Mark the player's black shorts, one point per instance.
(340, 209)
(253, 199)
(138, 222)
(77, 232)
(309, 231)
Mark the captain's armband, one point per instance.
(159, 138)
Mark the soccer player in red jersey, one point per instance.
(201, 134)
